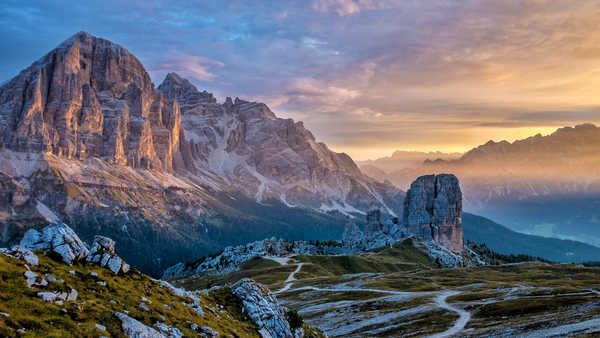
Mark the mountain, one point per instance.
(547, 185)
(244, 145)
(86, 139)
(505, 241)
(405, 159)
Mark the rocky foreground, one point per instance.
(53, 285)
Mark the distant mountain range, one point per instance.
(548, 185)
(405, 159)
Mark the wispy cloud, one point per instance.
(190, 66)
(362, 74)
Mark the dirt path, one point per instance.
(460, 324)
(290, 280)
(440, 301)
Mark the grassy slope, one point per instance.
(506, 241)
(402, 256)
(93, 306)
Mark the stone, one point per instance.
(103, 253)
(100, 327)
(169, 331)
(206, 331)
(57, 237)
(144, 307)
(30, 276)
(433, 210)
(22, 253)
(135, 329)
(262, 308)
(72, 295)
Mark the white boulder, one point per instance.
(59, 238)
(262, 308)
(135, 329)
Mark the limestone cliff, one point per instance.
(433, 210)
(91, 98)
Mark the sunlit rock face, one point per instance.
(91, 98)
(433, 210)
(269, 157)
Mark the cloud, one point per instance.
(190, 66)
(341, 7)
(378, 73)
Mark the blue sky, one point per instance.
(366, 76)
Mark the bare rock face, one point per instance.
(263, 309)
(433, 210)
(247, 146)
(90, 98)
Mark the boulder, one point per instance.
(103, 253)
(21, 253)
(169, 331)
(59, 238)
(135, 329)
(262, 308)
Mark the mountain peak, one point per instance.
(180, 89)
(89, 97)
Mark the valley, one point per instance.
(352, 296)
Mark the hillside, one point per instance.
(62, 289)
(398, 291)
(503, 240)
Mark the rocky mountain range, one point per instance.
(545, 185)
(243, 145)
(86, 139)
(404, 159)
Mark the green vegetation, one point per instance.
(294, 319)
(97, 304)
(259, 263)
(495, 258)
(266, 275)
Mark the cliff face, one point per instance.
(433, 210)
(91, 98)
(267, 157)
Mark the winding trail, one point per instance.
(460, 324)
(290, 280)
(440, 301)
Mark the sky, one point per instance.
(367, 77)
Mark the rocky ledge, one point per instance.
(264, 310)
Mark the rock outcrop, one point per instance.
(134, 329)
(103, 253)
(249, 147)
(433, 210)
(263, 309)
(58, 238)
(91, 98)
(21, 253)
